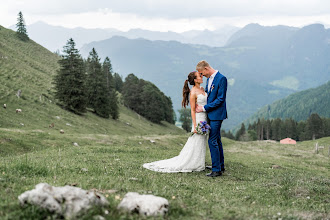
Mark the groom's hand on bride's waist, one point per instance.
(200, 108)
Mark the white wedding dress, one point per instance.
(192, 155)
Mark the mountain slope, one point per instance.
(29, 67)
(263, 67)
(298, 106)
(54, 37)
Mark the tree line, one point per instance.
(147, 100)
(276, 129)
(89, 84)
(82, 84)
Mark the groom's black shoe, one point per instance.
(210, 168)
(214, 174)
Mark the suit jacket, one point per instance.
(216, 98)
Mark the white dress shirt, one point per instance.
(210, 83)
(211, 80)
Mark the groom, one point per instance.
(216, 89)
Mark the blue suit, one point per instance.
(216, 113)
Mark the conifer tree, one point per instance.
(21, 29)
(185, 118)
(70, 80)
(118, 82)
(107, 70)
(314, 126)
(98, 96)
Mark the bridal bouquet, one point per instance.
(202, 128)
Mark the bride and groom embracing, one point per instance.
(207, 104)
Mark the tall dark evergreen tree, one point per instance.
(153, 107)
(315, 126)
(107, 70)
(240, 132)
(70, 80)
(133, 88)
(98, 96)
(118, 81)
(185, 119)
(21, 29)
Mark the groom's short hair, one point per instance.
(202, 64)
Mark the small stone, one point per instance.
(98, 217)
(145, 205)
(68, 124)
(57, 117)
(276, 167)
(152, 141)
(140, 142)
(84, 169)
(133, 178)
(62, 131)
(67, 201)
(21, 124)
(75, 144)
(308, 197)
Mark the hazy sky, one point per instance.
(166, 15)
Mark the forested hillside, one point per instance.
(27, 72)
(298, 106)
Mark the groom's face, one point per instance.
(205, 72)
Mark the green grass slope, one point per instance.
(30, 67)
(249, 189)
(298, 106)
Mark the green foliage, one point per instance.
(315, 128)
(31, 68)
(21, 29)
(113, 99)
(227, 134)
(185, 119)
(147, 100)
(118, 82)
(240, 132)
(298, 106)
(277, 129)
(70, 81)
(97, 86)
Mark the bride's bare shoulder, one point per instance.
(193, 92)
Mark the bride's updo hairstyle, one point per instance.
(186, 90)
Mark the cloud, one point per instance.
(166, 15)
(175, 9)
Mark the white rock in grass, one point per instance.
(152, 141)
(147, 205)
(67, 201)
(75, 144)
(84, 169)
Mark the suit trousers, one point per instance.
(215, 145)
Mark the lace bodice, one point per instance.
(201, 116)
(202, 99)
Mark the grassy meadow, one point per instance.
(249, 189)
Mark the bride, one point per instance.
(192, 156)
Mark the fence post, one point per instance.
(317, 147)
